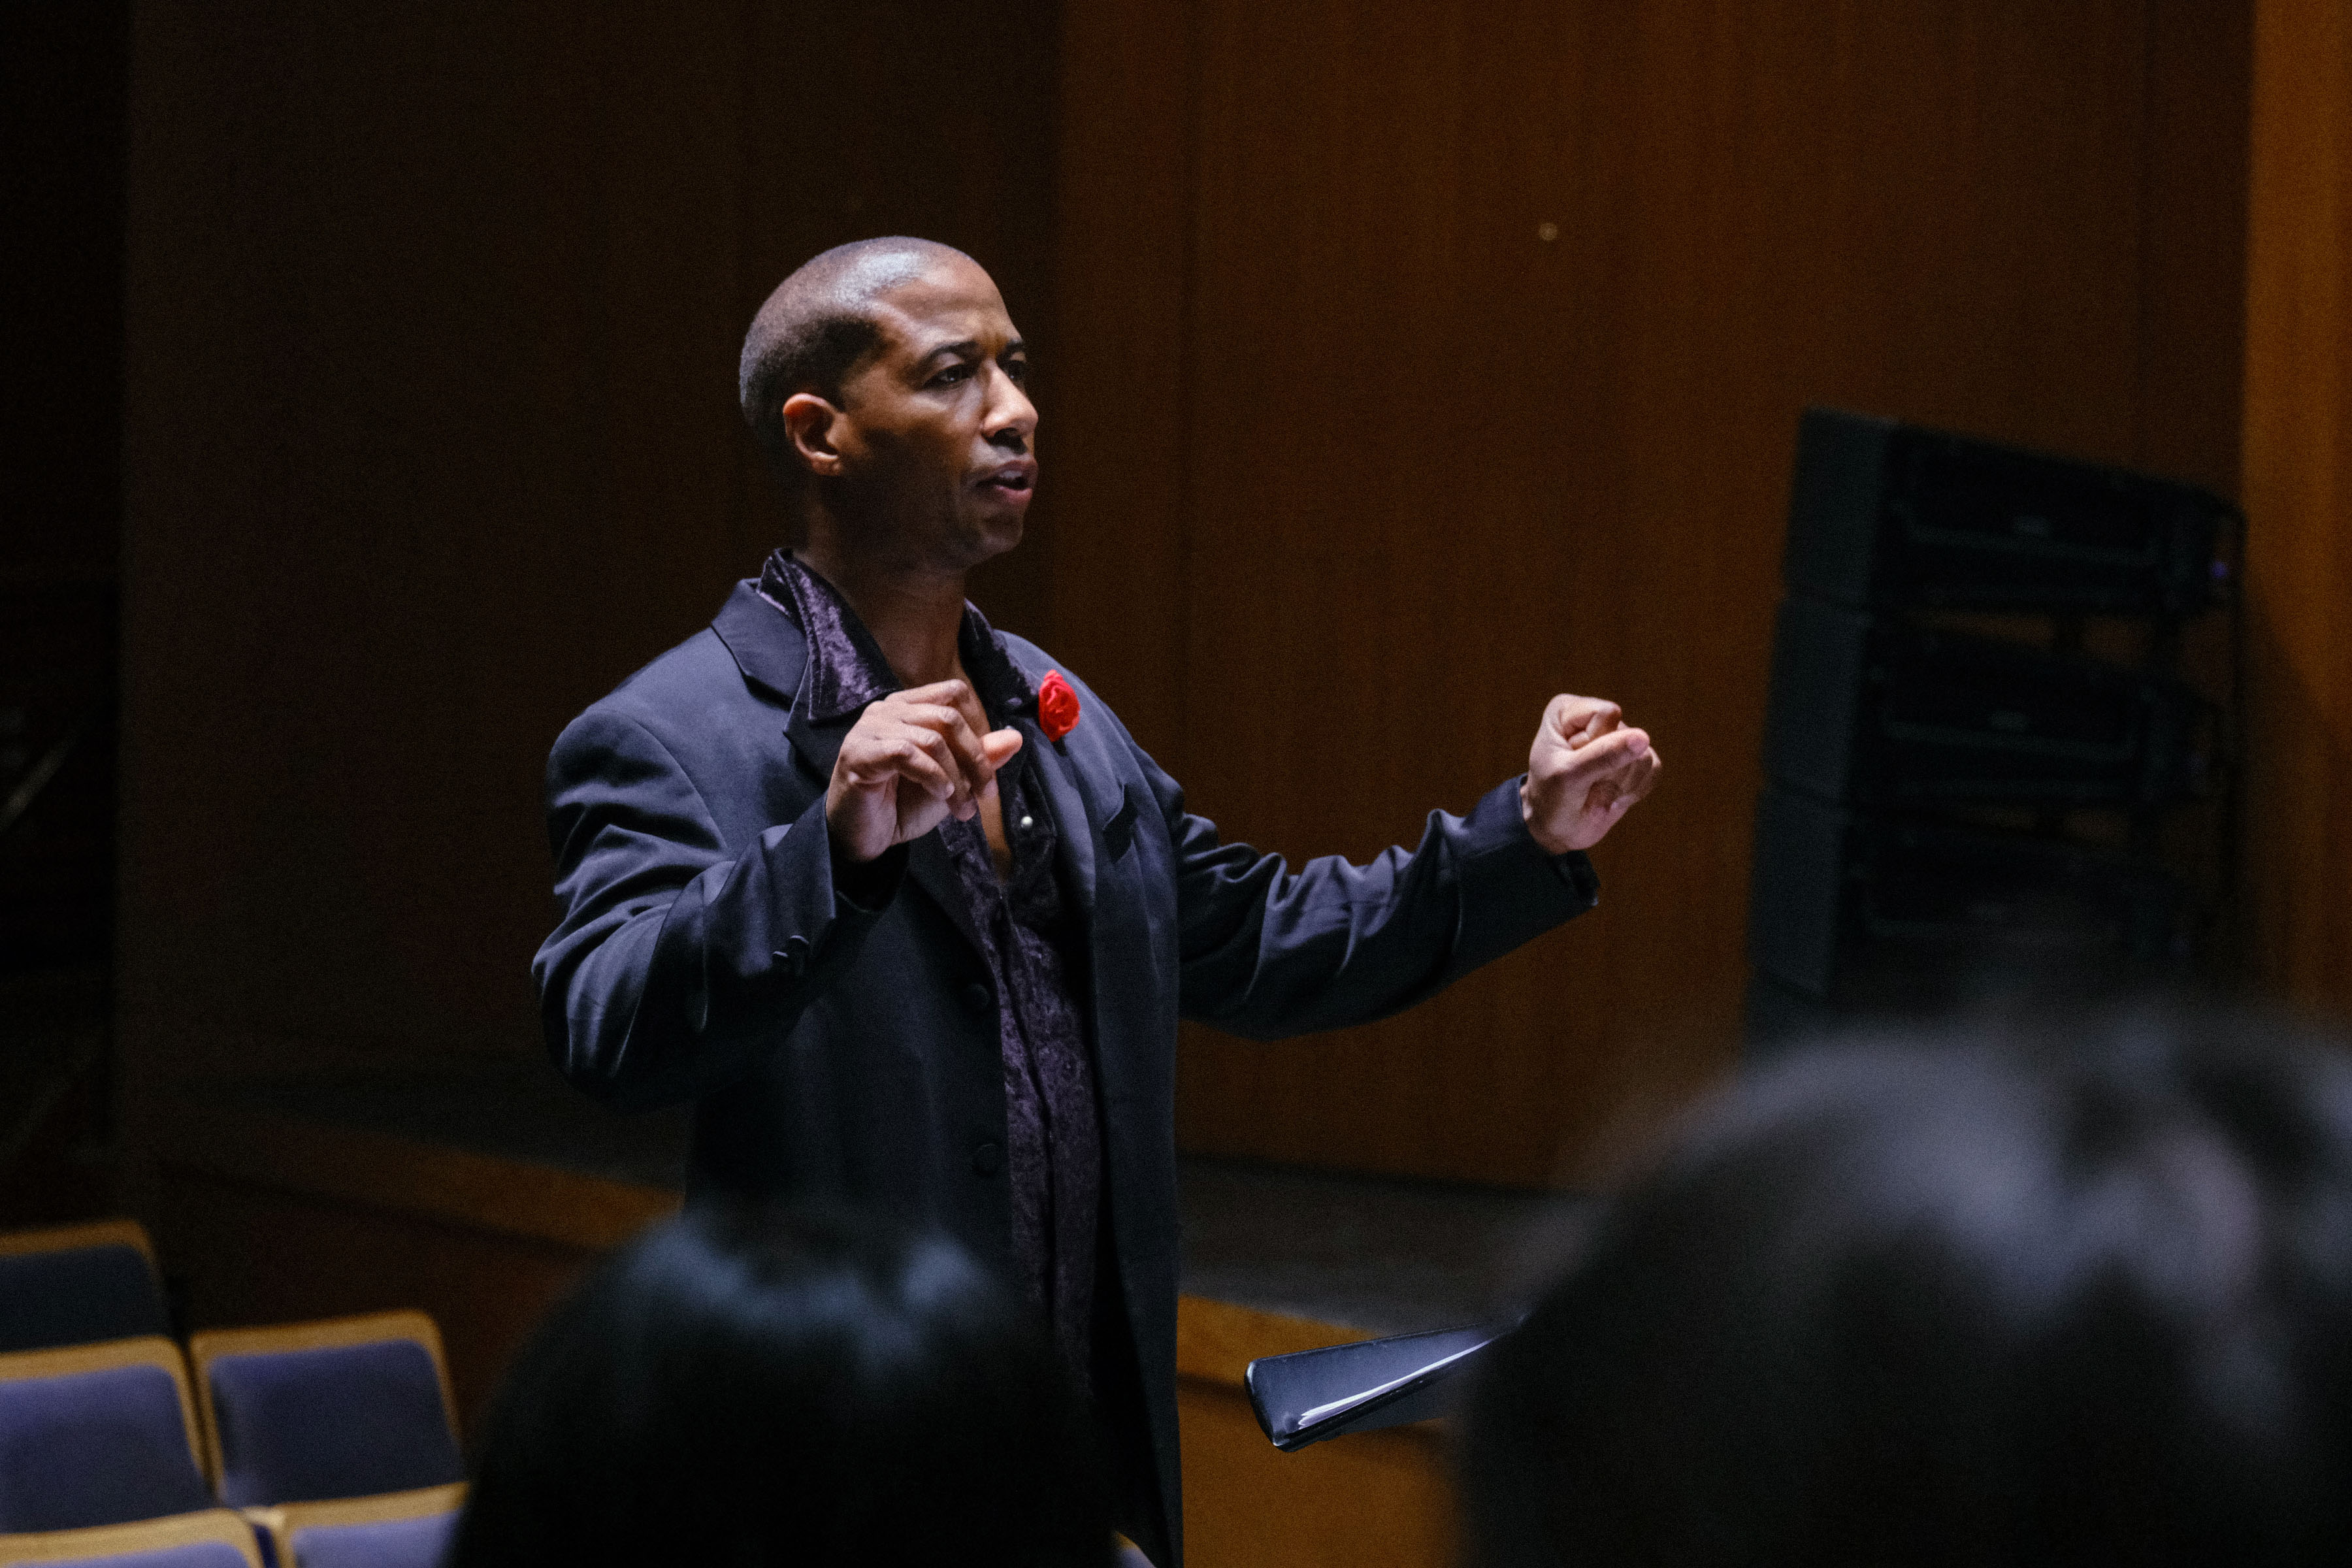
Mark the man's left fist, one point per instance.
(1585, 770)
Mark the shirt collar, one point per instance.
(847, 670)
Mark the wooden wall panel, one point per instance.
(2192, 250)
(243, 1255)
(1440, 465)
(433, 322)
(2298, 497)
(1380, 1500)
(1114, 425)
(1380, 1497)
(434, 318)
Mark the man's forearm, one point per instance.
(1270, 953)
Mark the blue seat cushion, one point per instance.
(195, 1554)
(77, 1296)
(395, 1543)
(97, 1447)
(306, 1425)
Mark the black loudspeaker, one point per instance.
(1844, 906)
(1899, 516)
(1881, 712)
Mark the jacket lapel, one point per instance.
(1075, 825)
(767, 648)
(774, 656)
(772, 653)
(817, 745)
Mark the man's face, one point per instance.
(937, 435)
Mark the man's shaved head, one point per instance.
(817, 324)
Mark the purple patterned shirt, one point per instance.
(1052, 1140)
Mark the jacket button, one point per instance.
(987, 1159)
(978, 1000)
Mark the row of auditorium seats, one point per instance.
(319, 1445)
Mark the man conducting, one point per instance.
(911, 918)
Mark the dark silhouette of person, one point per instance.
(2069, 1294)
(749, 1386)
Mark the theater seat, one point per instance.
(349, 1407)
(79, 1285)
(215, 1538)
(406, 1529)
(98, 1434)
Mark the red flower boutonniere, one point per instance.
(1057, 706)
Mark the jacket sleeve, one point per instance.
(679, 958)
(1266, 952)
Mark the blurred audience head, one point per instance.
(2058, 1294)
(748, 1386)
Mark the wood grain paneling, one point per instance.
(1380, 1497)
(1498, 322)
(263, 1216)
(1114, 419)
(2192, 251)
(2298, 499)
(439, 1182)
(433, 323)
(1376, 1499)
(434, 317)
(247, 1254)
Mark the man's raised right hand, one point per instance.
(912, 759)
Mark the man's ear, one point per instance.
(808, 426)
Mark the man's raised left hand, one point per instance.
(1585, 770)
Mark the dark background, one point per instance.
(382, 357)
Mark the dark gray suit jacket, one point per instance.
(851, 1052)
